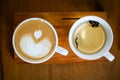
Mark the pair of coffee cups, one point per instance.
(37, 51)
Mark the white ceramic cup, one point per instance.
(57, 48)
(109, 39)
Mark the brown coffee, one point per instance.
(34, 40)
(89, 37)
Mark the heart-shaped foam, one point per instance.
(35, 50)
(37, 34)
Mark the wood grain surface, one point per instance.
(62, 22)
(66, 71)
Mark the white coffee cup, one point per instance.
(105, 49)
(57, 48)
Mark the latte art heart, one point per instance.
(34, 40)
(35, 50)
(37, 34)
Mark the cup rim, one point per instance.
(108, 42)
(38, 61)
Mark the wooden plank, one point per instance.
(62, 21)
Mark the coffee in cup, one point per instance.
(35, 40)
(91, 37)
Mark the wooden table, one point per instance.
(66, 71)
(62, 21)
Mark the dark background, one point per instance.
(71, 71)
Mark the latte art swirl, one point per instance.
(35, 50)
(34, 40)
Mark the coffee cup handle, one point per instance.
(61, 50)
(109, 56)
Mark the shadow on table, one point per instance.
(8, 32)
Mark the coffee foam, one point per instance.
(88, 39)
(33, 49)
